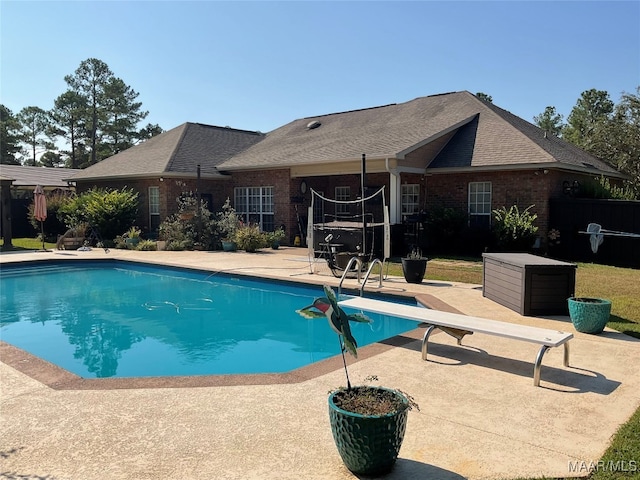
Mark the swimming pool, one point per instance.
(121, 319)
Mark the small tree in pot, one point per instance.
(368, 422)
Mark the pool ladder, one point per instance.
(358, 263)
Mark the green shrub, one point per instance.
(249, 238)
(514, 229)
(274, 238)
(110, 211)
(147, 245)
(607, 190)
(189, 227)
(53, 225)
(227, 222)
(445, 227)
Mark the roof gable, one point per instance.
(177, 151)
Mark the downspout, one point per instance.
(394, 193)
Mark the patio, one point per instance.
(480, 417)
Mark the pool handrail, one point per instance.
(346, 270)
(366, 276)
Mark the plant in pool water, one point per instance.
(367, 422)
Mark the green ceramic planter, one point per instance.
(368, 445)
(229, 246)
(589, 315)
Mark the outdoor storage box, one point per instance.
(528, 284)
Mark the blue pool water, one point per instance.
(116, 319)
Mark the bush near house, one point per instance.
(514, 229)
(53, 225)
(189, 227)
(445, 228)
(249, 238)
(110, 211)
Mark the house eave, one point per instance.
(528, 166)
(146, 176)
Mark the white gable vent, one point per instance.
(313, 124)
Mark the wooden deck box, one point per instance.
(528, 284)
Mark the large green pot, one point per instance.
(368, 445)
(589, 315)
(229, 246)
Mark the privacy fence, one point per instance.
(572, 216)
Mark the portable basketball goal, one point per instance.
(342, 229)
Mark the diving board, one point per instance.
(444, 321)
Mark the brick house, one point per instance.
(449, 150)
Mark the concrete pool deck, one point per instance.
(480, 418)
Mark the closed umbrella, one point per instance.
(40, 210)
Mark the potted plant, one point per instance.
(368, 422)
(589, 315)
(228, 224)
(414, 266)
(275, 237)
(73, 238)
(132, 237)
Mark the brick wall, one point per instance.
(521, 188)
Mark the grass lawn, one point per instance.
(620, 285)
(27, 244)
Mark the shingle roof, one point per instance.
(29, 177)
(482, 136)
(561, 151)
(175, 152)
(486, 136)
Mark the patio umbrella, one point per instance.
(40, 210)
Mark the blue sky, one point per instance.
(259, 65)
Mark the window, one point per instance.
(154, 208)
(342, 193)
(480, 204)
(255, 205)
(410, 199)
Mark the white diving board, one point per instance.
(464, 324)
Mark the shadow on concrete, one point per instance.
(405, 468)
(571, 379)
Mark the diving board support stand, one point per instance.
(458, 325)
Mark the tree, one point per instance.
(485, 97)
(623, 135)
(90, 82)
(123, 115)
(34, 123)
(51, 159)
(9, 137)
(608, 131)
(587, 120)
(150, 130)
(550, 121)
(68, 122)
